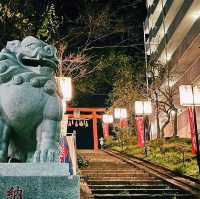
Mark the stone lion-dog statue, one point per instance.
(30, 108)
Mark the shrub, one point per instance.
(81, 162)
(181, 169)
(109, 141)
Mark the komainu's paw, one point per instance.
(46, 155)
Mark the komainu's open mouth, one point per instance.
(43, 62)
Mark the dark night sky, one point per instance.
(133, 17)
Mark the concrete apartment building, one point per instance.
(172, 30)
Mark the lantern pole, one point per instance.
(197, 137)
(188, 99)
(145, 146)
(196, 132)
(146, 109)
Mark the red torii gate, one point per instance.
(93, 114)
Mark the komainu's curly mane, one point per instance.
(28, 61)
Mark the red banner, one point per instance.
(64, 149)
(123, 123)
(105, 130)
(140, 131)
(192, 129)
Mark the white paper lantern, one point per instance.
(143, 107)
(107, 118)
(65, 84)
(186, 95)
(147, 107)
(196, 93)
(124, 113)
(139, 107)
(110, 118)
(117, 113)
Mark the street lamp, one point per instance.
(107, 118)
(143, 108)
(65, 86)
(190, 96)
(121, 114)
(124, 114)
(117, 113)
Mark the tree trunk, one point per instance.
(175, 124)
(157, 117)
(164, 125)
(147, 125)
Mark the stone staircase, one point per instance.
(109, 177)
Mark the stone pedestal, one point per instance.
(38, 181)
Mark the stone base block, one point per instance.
(38, 181)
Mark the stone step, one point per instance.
(123, 178)
(117, 175)
(124, 182)
(118, 169)
(143, 196)
(137, 191)
(94, 154)
(94, 171)
(103, 163)
(100, 158)
(108, 164)
(121, 186)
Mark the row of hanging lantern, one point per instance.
(141, 107)
(78, 122)
(119, 113)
